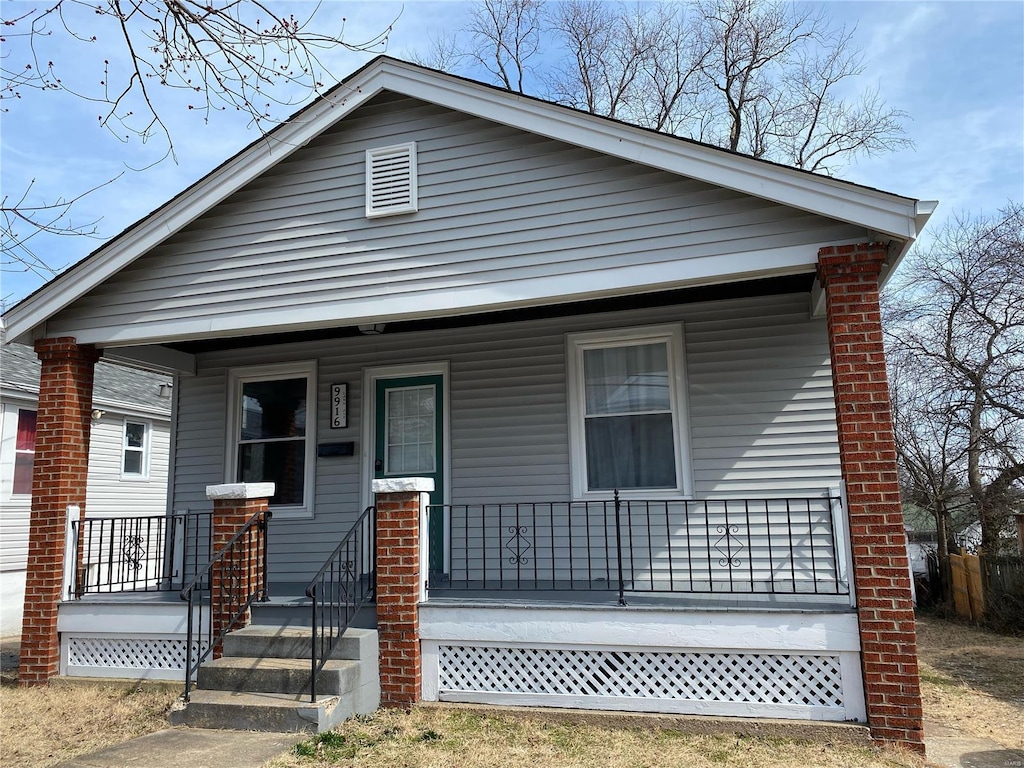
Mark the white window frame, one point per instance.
(239, 376)
(147, 440)
(372, 211)
(576, 344)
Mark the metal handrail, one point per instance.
(340, 589)
(202, 584)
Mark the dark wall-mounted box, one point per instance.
(345, 448)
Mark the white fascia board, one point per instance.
(468, 299)
(883, 212)
(924, 211)
(186, 208)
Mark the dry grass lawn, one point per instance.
(972, 680)
(441, 737)
(44, 726)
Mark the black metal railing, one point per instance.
(787, 546)
(228, 585)
(131, 553)
(344, 584)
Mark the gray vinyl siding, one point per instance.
(505, 216)
(761, 411)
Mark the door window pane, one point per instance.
(410, 430)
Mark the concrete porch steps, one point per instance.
(261, 683)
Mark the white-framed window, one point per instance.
(24, 453)
(135, 449)
(272, 432)
(627, 411)
(391, 180)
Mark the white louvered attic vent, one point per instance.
(391, 180)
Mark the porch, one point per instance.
(728, 607)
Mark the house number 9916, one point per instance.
(339, 406)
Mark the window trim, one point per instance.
(146, 450)
(236, 378)
(576, 345)
(412, 205)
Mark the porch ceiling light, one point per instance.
(374, 329)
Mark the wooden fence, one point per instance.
(989, 588)
(968, 592)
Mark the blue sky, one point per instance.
(956, 67)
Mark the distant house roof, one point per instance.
(115, 385)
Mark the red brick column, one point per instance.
(59, 473)
(401, 573)
(867, 454)
(240, 573)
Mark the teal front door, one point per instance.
(409, 442)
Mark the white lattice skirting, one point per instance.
(727, 683)
(157, 658)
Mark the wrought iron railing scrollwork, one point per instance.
(771, 546)
(139, 553)
(228, 585)
(345, 583)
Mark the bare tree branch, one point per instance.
(24, 220)
(957, 324)
(505, 36)
(761, 77)
(231, 55)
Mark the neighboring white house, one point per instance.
(128, 456)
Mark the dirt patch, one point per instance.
(972, 680)
(10, 647)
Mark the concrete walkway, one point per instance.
(950, 748)
(192, 747)
(199, 748)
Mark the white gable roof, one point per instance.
(890, 216)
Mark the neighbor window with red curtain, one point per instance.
(24, 452)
